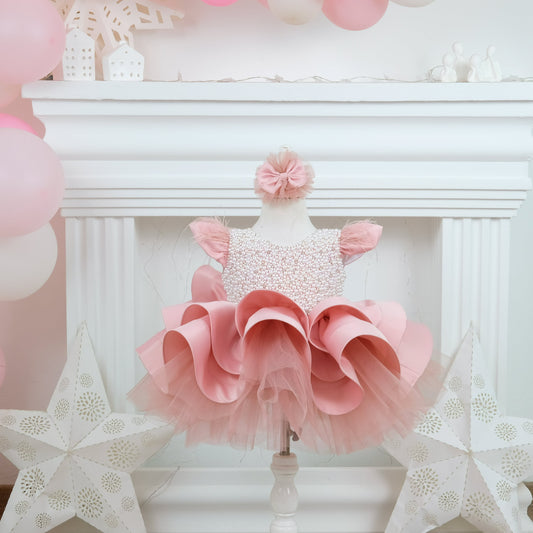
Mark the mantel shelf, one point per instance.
(283, 92)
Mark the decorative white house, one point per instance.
(123, 64)
(78, 58)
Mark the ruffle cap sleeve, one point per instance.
(357, 238)
(213, 236)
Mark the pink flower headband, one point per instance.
(283, 176)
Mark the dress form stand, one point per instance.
(284, 496)
(284, 221)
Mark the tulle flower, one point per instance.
(283, 176)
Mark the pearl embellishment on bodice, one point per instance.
(306, 271)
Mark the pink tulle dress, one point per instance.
(272, 339)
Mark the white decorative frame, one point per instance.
(458, 153)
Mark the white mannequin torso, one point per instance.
(284, 221)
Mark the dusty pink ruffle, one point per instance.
(343, 375)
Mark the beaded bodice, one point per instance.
(307, 271)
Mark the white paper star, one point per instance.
(75, 459)
(465, 458)
(110, 21)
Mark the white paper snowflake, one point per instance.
(110, 21)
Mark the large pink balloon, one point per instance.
(9, 121)
(355, 14)
(31, 182)
(8, 93)
(2, 366)
(34, 34)
(219, 2)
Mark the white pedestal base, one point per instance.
(284, 496)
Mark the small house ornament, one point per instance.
(123, 64)
(78, 62)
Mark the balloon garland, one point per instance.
(355, 14)
(31, 181)
(347, 14)
(31, 176)
(34, 34)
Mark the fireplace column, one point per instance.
(475, 288)
(100, 263)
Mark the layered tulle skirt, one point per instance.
(343, 375)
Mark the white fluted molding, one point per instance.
(342, 188)
(475, 280)
(100, 273)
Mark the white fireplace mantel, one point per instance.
(172, 149)
(455, 153)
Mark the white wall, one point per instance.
(245, 40)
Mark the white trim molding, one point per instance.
(129, 188)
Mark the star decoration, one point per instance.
(465, 458)
(110, 21)
(76, 458)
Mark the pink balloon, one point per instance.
(34, 34)
(2, 366)
(264, 2)
(31, 182)
(355, 14)
(22, 108)
(8, 93)
(219, 2)
(9, 121)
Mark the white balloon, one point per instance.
(295, 11)
(413, 3)
(26, 262)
